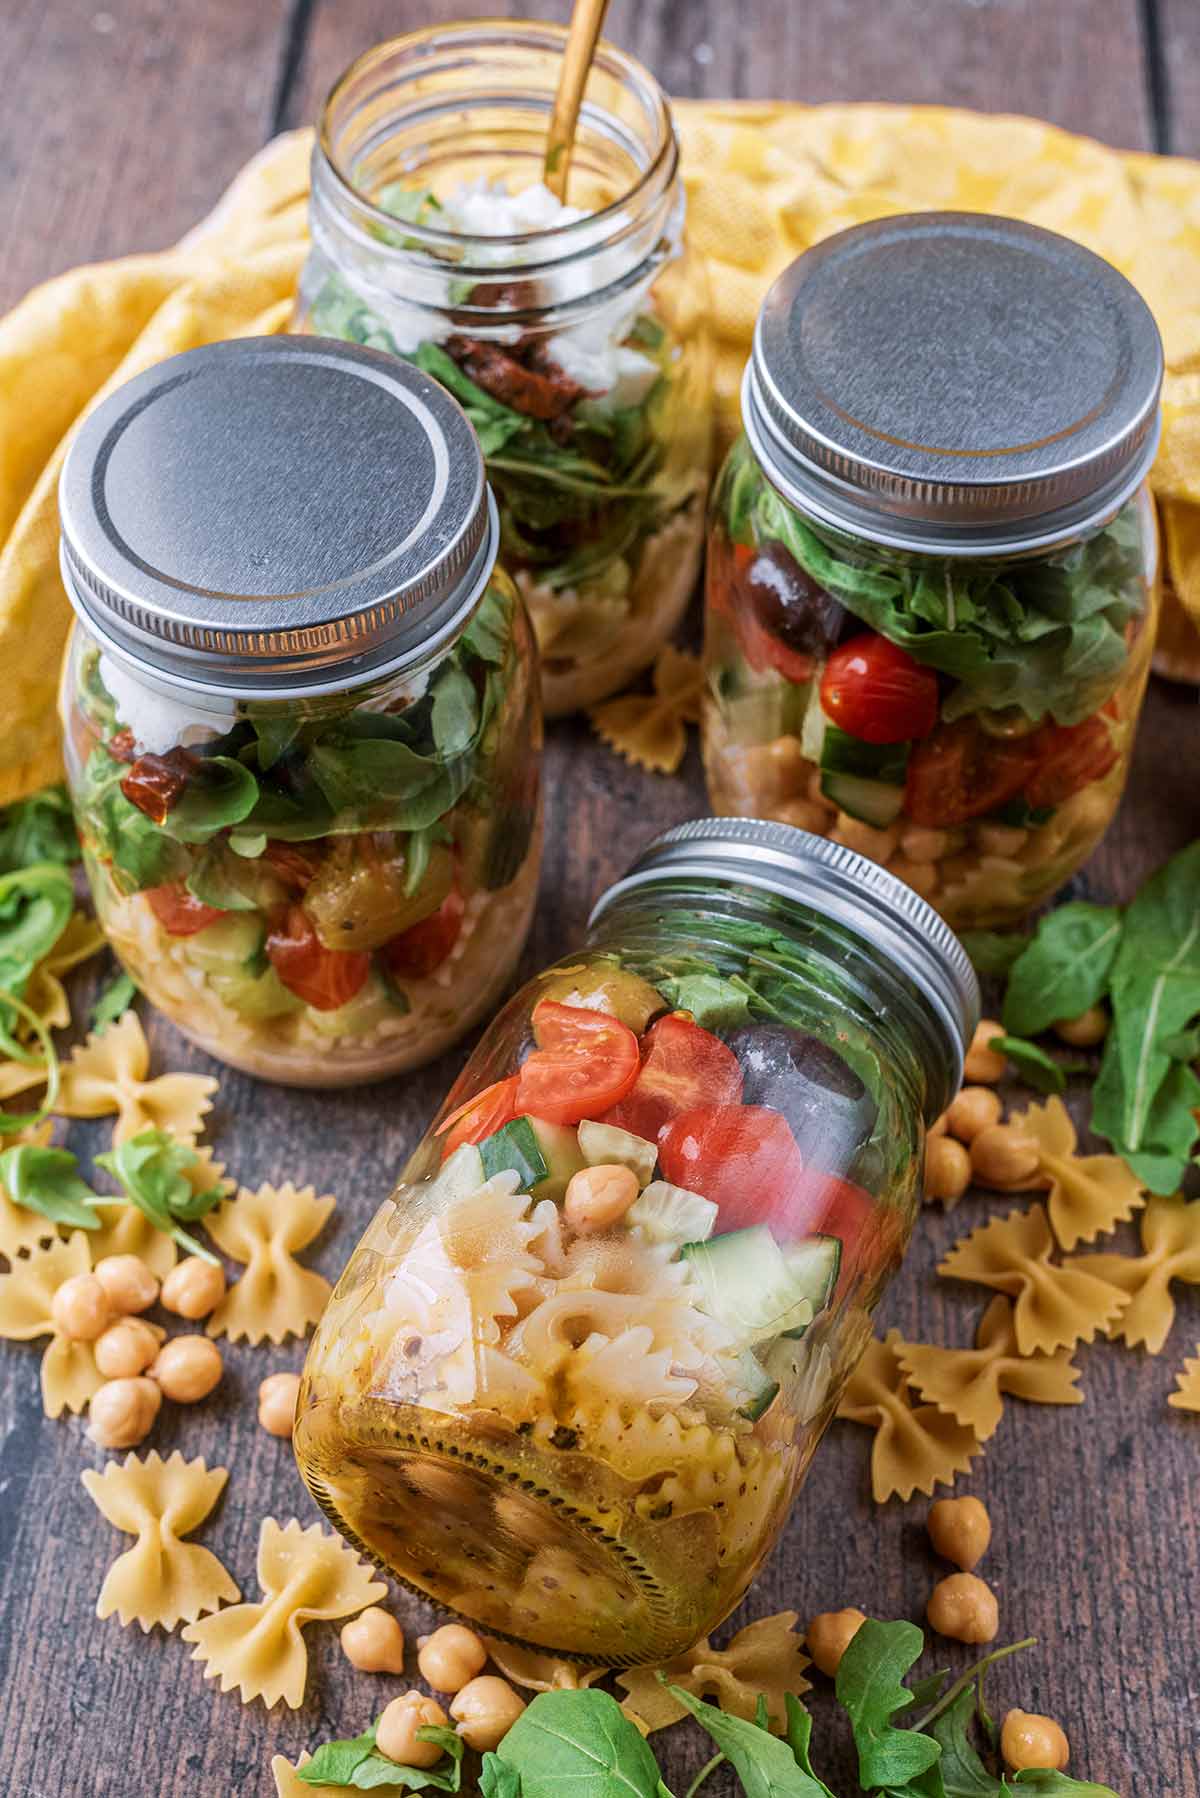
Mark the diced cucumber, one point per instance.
(233, 941)
(814, 1265)
(607, 1144)
(1021, 815)
(258, 996)
(871, 801)
(842, 753)
(666, 1213)
(815, 725)
(459, 1176)
(746, 1285)
(561, 1153)
(759, 1387)
(804, 1371)
(370, 1006)
(514, 1146)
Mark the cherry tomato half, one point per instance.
(683, 1065)
(323, 978)
(479, 1116)
(959, 773)
(417, 951)
(868, 1232)
(178, 911)
(877, 692)
(745, 1159)
(584, 1063)
(1069, 758)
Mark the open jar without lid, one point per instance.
(574, 335)
(300, 707)
(574, 1373)
(932, 579)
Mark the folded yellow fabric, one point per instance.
(764, 182)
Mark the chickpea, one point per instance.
(972, 1111)
(396, 1734)
(126, 1348)
(277, 1397)
(129, 1283)
(960, 1530)
(122, 1412)
(80, 1308)
(1083, 1032)
(937, 1128)
(815, 793)
(187, 1368)
(1001, 839)
(947, 1169)
(964, 1606)
(830, 1635)
(923, 877)
(921, 844)
(984, 1065)
(1003, 1156)
(485, 1711)
(880, 845)
(1030, 1740)
(803, 814)
(193, 1288)
(451, 1657)
(373, 1641)
(596, 1197)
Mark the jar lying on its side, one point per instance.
(937, 655)
(574, 1373)
(300, 703)
(574, 335)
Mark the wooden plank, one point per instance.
(1178, 23)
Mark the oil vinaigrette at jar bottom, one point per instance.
(573, 1375)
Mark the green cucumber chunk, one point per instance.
(258, 996)
(514, 1146)
(746, 1285)
(459, 1176)
(814, 1265)
(842, 753)
(234, 941)
(561, 1153)
(758, 1385)
(606, 1145)
(871, 801)
(666, 1213)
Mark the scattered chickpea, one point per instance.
(373, 1642)
(865, 839)
(126, 1348)
(451, 1657)
(964, 1606)
(972, 1111)
(484, 1712)
(984, 1065)
(596, 1197)
(80, 1308)
(947, 1169)
(129, 1283)
(122, 1412)
(830, 1635)
(1083, 1032)
(277, 1397)
(960, 1530)
(396, 1734)
(187, 1368)
(938, 1127)
(1030, 1740)
(1003, 1156)
(803, 814)
(922, 877)
(193, 1288)
(921, 844)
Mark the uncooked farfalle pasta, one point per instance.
(1089, 1195)
(160, 1580)
(1186, 1396)
(764, 1660)
(969, 1383)
(1170, 1231)
(1056, 1306)
(650, 729)
(275, 1297)
(916, 1447)
(111, 1072)
(305, 1575)
(69, 1373)
(21, 1228)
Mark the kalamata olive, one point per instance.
(830, 1111)
(789, 603)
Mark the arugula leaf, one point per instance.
(1035, 1065)
(47, 1181)
(581, 1742)
(115, 999)
(1064, 970)
(870, 1690)
(798, 1737)
(487, 635)
(275, 732)
(455, 713)
(35, 907)
(38, 829)
(1052, 1784)
(356, 1765)
(963, 1772)
(152, 1169)
(379, 783)
(993, 951)
(334, 1762)
(497, 1779)
(221, 792)
(139, 853)
(714, 1002)
(767, 1766)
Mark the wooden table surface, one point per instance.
(123, 120)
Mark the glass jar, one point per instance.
(300, 706)
(573, 1375)
(574, 335)
(932, 578)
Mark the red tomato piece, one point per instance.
(416, 952)
(584, 1063)
(479, 1116)
(323, 978)
(683, 1065)
(1069, 758)
(959, 773)
(746, 1160)
(179, 911)
(868, 1231)
(877, 692)
(294, 866)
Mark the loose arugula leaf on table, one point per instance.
(113, 1001)
(1035, 1065)
(497, 1779)
(48, 1181)
(767, 1766)
(1050, 1783)
(35, 907)
(1064, 969)
(871, 1691)
(962, 1770)
(152, 1170)
(993, 951)
(356, 1765)
(38, 829)
(583, 1743)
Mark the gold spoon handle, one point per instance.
(587, 22)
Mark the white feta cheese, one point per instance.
(158, 723)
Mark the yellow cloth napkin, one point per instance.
(764, 182)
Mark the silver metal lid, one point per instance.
(888, 917)
(275, 513)
(954, 383)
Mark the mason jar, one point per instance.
(300, 706)
(573, 334)
(933, 567)
(574, 1373)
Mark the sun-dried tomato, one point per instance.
(156, 783)
(544, 395)
(122, 746)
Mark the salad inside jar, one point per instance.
(317, 891)
(965, 722)
(594, 428)
(572, 1376)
